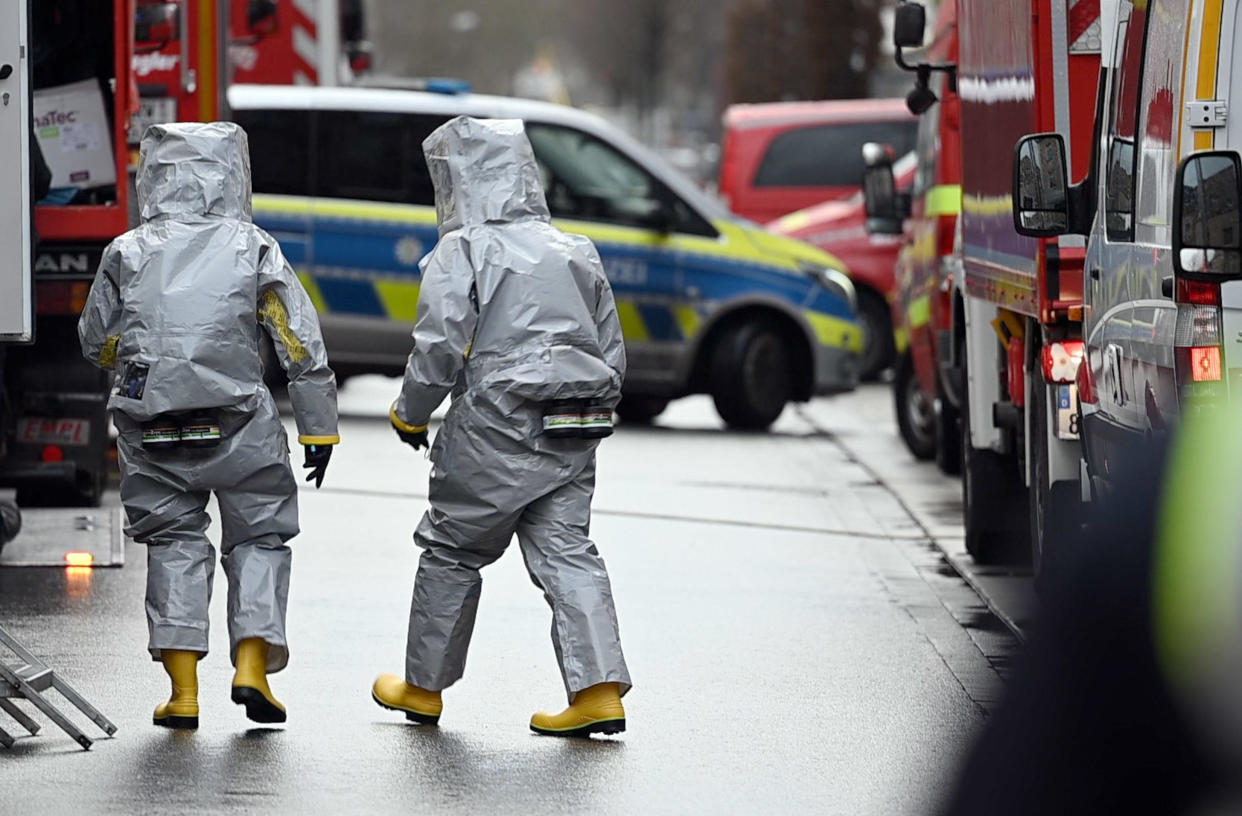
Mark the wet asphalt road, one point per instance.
(796, 646)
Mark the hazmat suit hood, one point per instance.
(484, 171)
(193, 170)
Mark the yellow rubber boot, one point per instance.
(595, 710)
(420, 705)
(181, 710)
(250, 683)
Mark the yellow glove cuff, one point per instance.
(400, 424)
(319, 440)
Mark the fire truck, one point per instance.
(268, 42)
(66, 105)
(1015, 335)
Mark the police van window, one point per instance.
(374, 156)
(1119, 181)
(279, 150)
(587, 179)
(1157, 106)
(829, 155)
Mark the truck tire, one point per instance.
(948, 438)
(879, 352)
(751, 376)
(640, 410)
(916, 416)
(1056, 511)
(993, 504)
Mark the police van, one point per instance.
(708, 303)
(1162, 212)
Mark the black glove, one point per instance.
(415, 439)
(317, 457)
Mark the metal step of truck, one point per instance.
(73, 537)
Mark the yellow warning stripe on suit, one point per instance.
(272, 310)
(107, 354)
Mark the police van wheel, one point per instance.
(751, 376)
(916, 417)
(640, 410)
(879, 351)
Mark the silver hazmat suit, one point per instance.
(186, 294)
(512, 314)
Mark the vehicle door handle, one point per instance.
(1166, 286)
(6, 71)
(1095, 274)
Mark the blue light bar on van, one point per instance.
(447, 85)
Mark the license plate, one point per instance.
(154, 111)
(39, 431)
(1067, 411)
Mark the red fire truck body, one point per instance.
(1025, 66)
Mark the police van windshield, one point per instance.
(587, 179)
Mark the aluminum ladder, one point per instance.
(28, 678)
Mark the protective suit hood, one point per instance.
(194, 170)
(484, 171)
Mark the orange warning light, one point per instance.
(79, 559)
(1205, 363)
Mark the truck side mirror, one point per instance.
(909, 22)
(882, 203)
(156, 25)
(1207, 215)
(1041, 205)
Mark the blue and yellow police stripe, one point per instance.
(377, 275)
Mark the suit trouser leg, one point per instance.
(181, 562)
(257, 517)
(564, 563)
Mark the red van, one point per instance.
(784, 156)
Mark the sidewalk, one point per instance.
(862, 424)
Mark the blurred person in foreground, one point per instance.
(1128, 696)
(176, 311)
(517, 320)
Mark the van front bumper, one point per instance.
(836, 370)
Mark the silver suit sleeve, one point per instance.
(98, 327)
(447, 315)
(608, 327)
(288, 315)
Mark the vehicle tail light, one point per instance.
(1060, 361)
(62, 297)
(1086, 385)
(52, 453)
(1197, 293)
(1205, 363)
(1198, 356)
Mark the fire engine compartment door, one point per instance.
(16, 287)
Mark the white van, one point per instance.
(708, 302)
(1161, 208)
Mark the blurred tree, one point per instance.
(800, 49)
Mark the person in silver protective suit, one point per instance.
(518, 321)
(176, 311)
